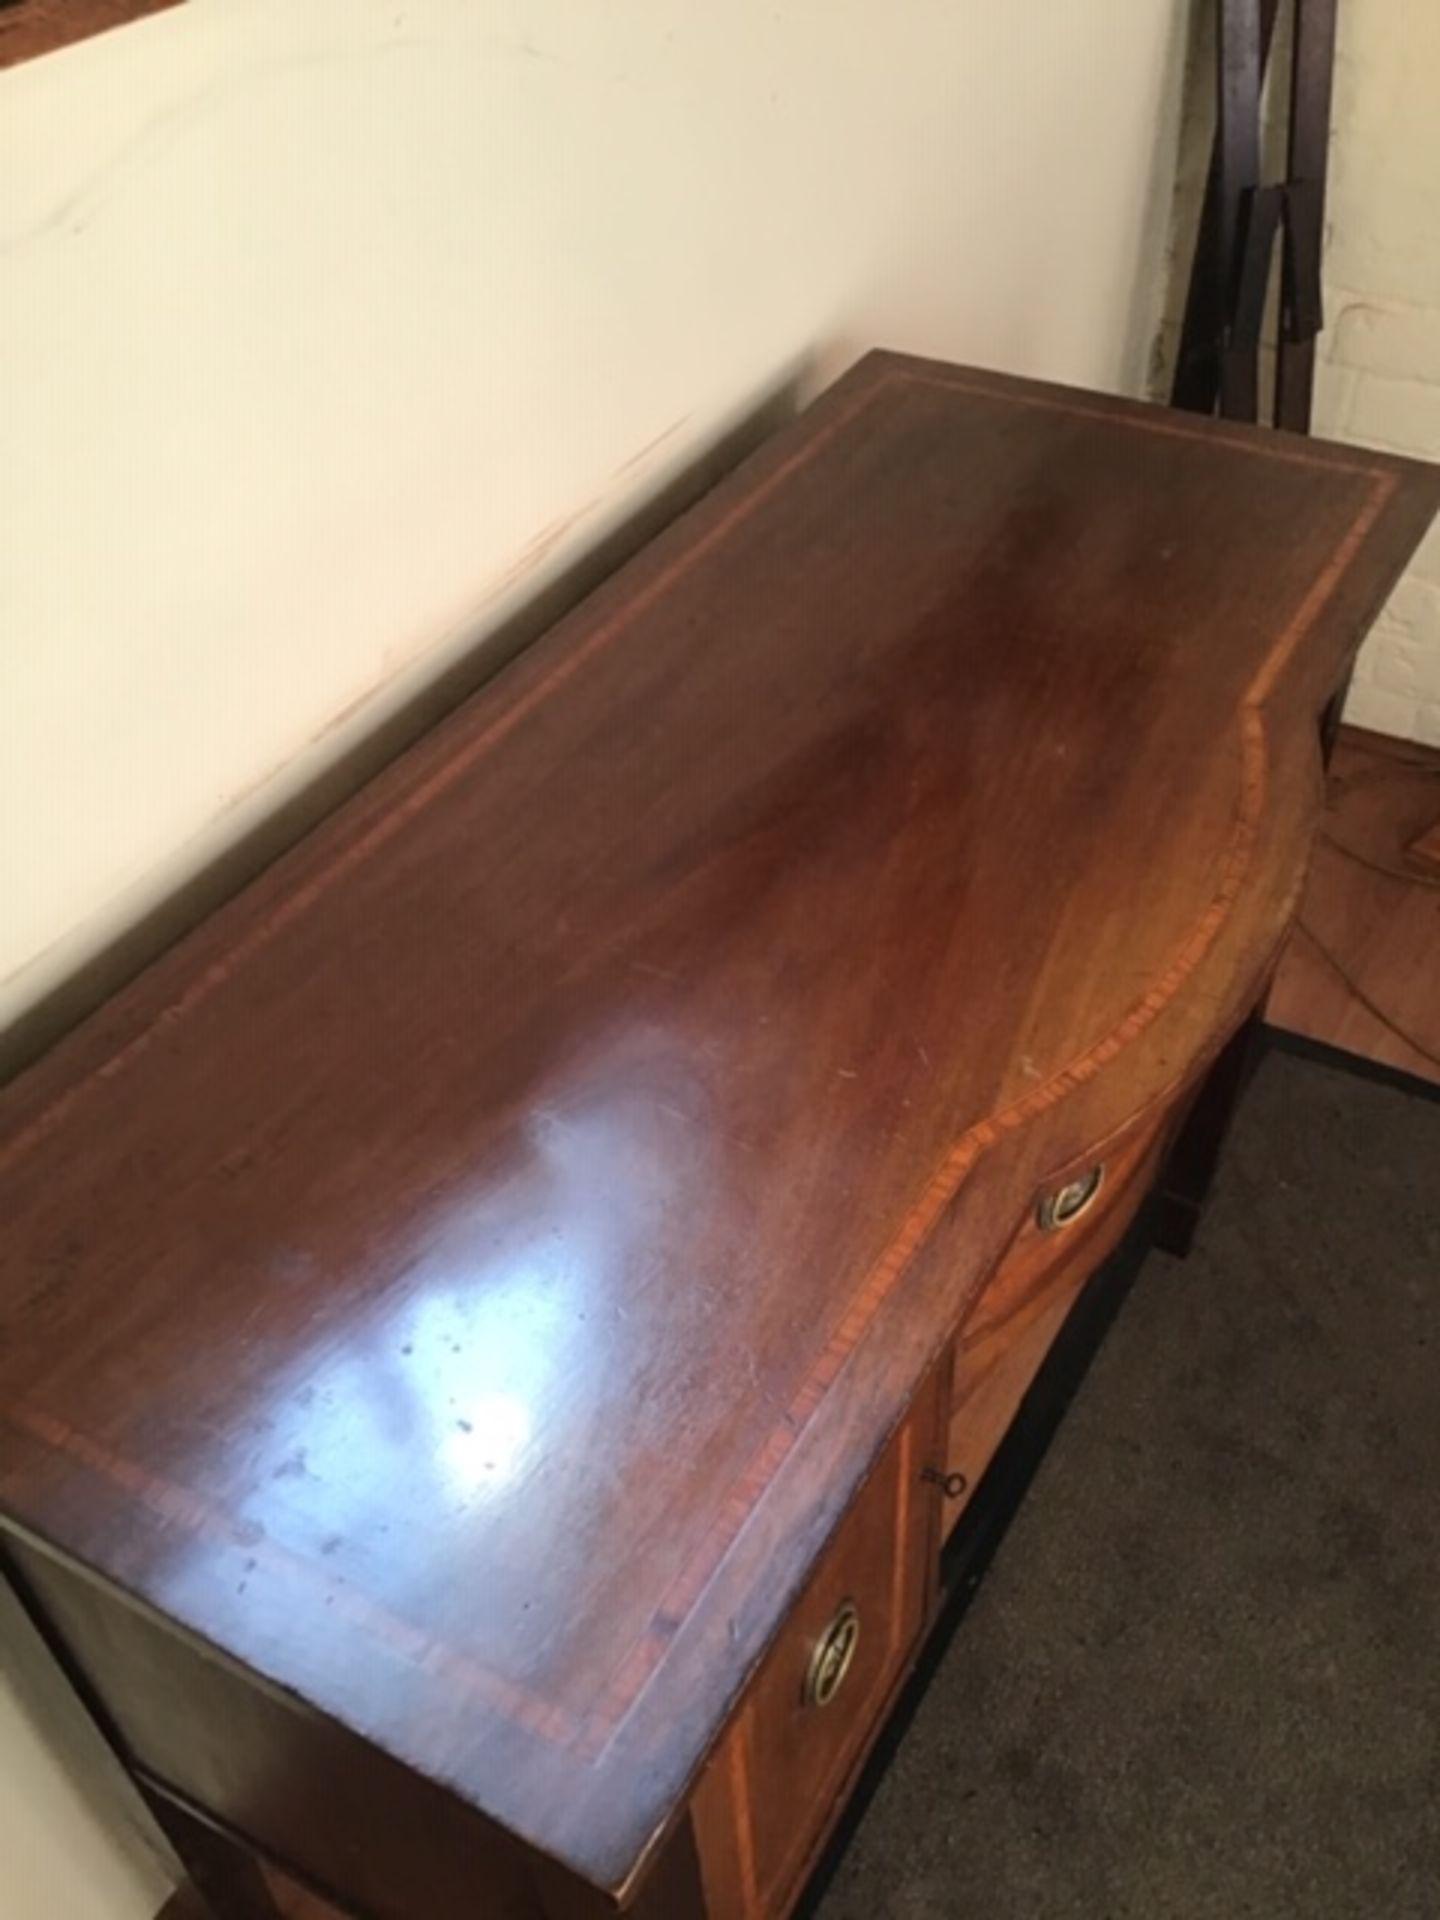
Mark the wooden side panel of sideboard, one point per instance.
(309, 1794)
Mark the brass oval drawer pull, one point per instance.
(834, 1651)
(1067, 1203)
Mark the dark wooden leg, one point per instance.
(1330, 722)
(1208, 305)
(1190, 1172)
(226, 1876)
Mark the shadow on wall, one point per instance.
(489, 653)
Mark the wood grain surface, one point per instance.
(1423, 852)
(464, 1283)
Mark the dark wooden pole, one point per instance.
(1204, 332)
(1309, 152)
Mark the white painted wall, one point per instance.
(1379, 380)
(330, 331)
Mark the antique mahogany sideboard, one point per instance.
(499, 1321)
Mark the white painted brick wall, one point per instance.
(1378, 379)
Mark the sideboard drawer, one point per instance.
(1078, 1217)
(768, 1795)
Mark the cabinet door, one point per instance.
(1078, 1218)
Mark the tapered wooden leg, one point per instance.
(1185, 1185)
(226, 1876)
(1330, 721)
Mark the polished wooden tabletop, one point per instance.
(466, 1279)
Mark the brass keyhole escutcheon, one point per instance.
(1067, 1203)
(952, 1485)
(834, 1651)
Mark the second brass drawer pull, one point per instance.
(834, 1651)
(1067, 1203)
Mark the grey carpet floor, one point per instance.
(1202, 1679)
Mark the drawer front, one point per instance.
(1078, 1217)
(771, 1791)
